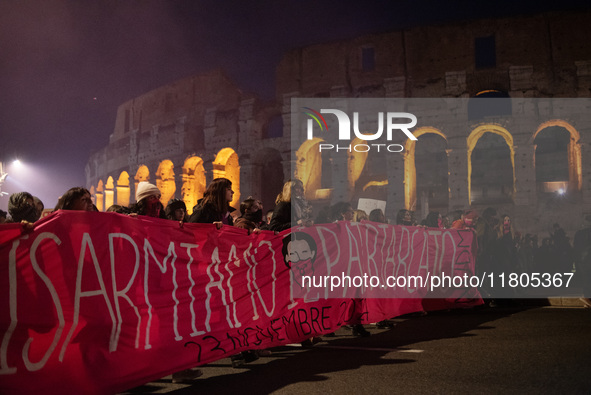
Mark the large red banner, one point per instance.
(101, 302)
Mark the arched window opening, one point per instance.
(367, 172)
(558, 160)
(433, 166)
(165, 181)
(492, 175)
(432, 192)
(142, 174)
(193, 182)
(109, 192)
(123, 191)
(309, 167)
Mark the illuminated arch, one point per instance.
(410, 168)
(123, 191)
(356, 162)
(142, 174)
(471, 143)
(226, 165)
(109, 192)
(365, 176)
(100, 201)
(575, 164)
(309, 166)
(165, 181)
(193, 186)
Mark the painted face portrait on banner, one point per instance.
(299, 253)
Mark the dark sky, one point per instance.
(65, 66)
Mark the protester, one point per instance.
(268, 217)
(360, 215)
(147, 197)
(291, 208)
(116, 208)
(434, 220)
(562, 250)
(377, 215)
(582, 253)
(21, 207)
(467, 220)
(176, 210)
(76, 198)
(251, 209)
(215, 205)
(342, 211)
(405, 217)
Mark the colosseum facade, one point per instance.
(183, 135)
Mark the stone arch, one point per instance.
(473, 138)
(269, 165)
(575, 164)
(227, 165)
(142, 174)
(367, 174)
(100, 199)
(165, 181)
(123, 192)
(194, 183)
(109, 192)
(309, 166)
(410, 169)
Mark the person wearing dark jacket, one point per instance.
(215, 205)
(21, 207)
(148, 203)
(291, 208)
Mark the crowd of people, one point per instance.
(500, 246)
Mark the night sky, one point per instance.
(65, 66)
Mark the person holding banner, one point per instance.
(21, 207)
(176, 210)
(147, 197)
(291, 208)
(76, 198)
(215, 205)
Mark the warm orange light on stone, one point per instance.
(165, 181)
(375, 184)
(309, 167)
(123, 191)
(410, 169)
(193, 182)
(575, 163)
(142, 174)
(109, 192)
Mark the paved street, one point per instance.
(502, 350)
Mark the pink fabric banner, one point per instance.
(101, 302)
